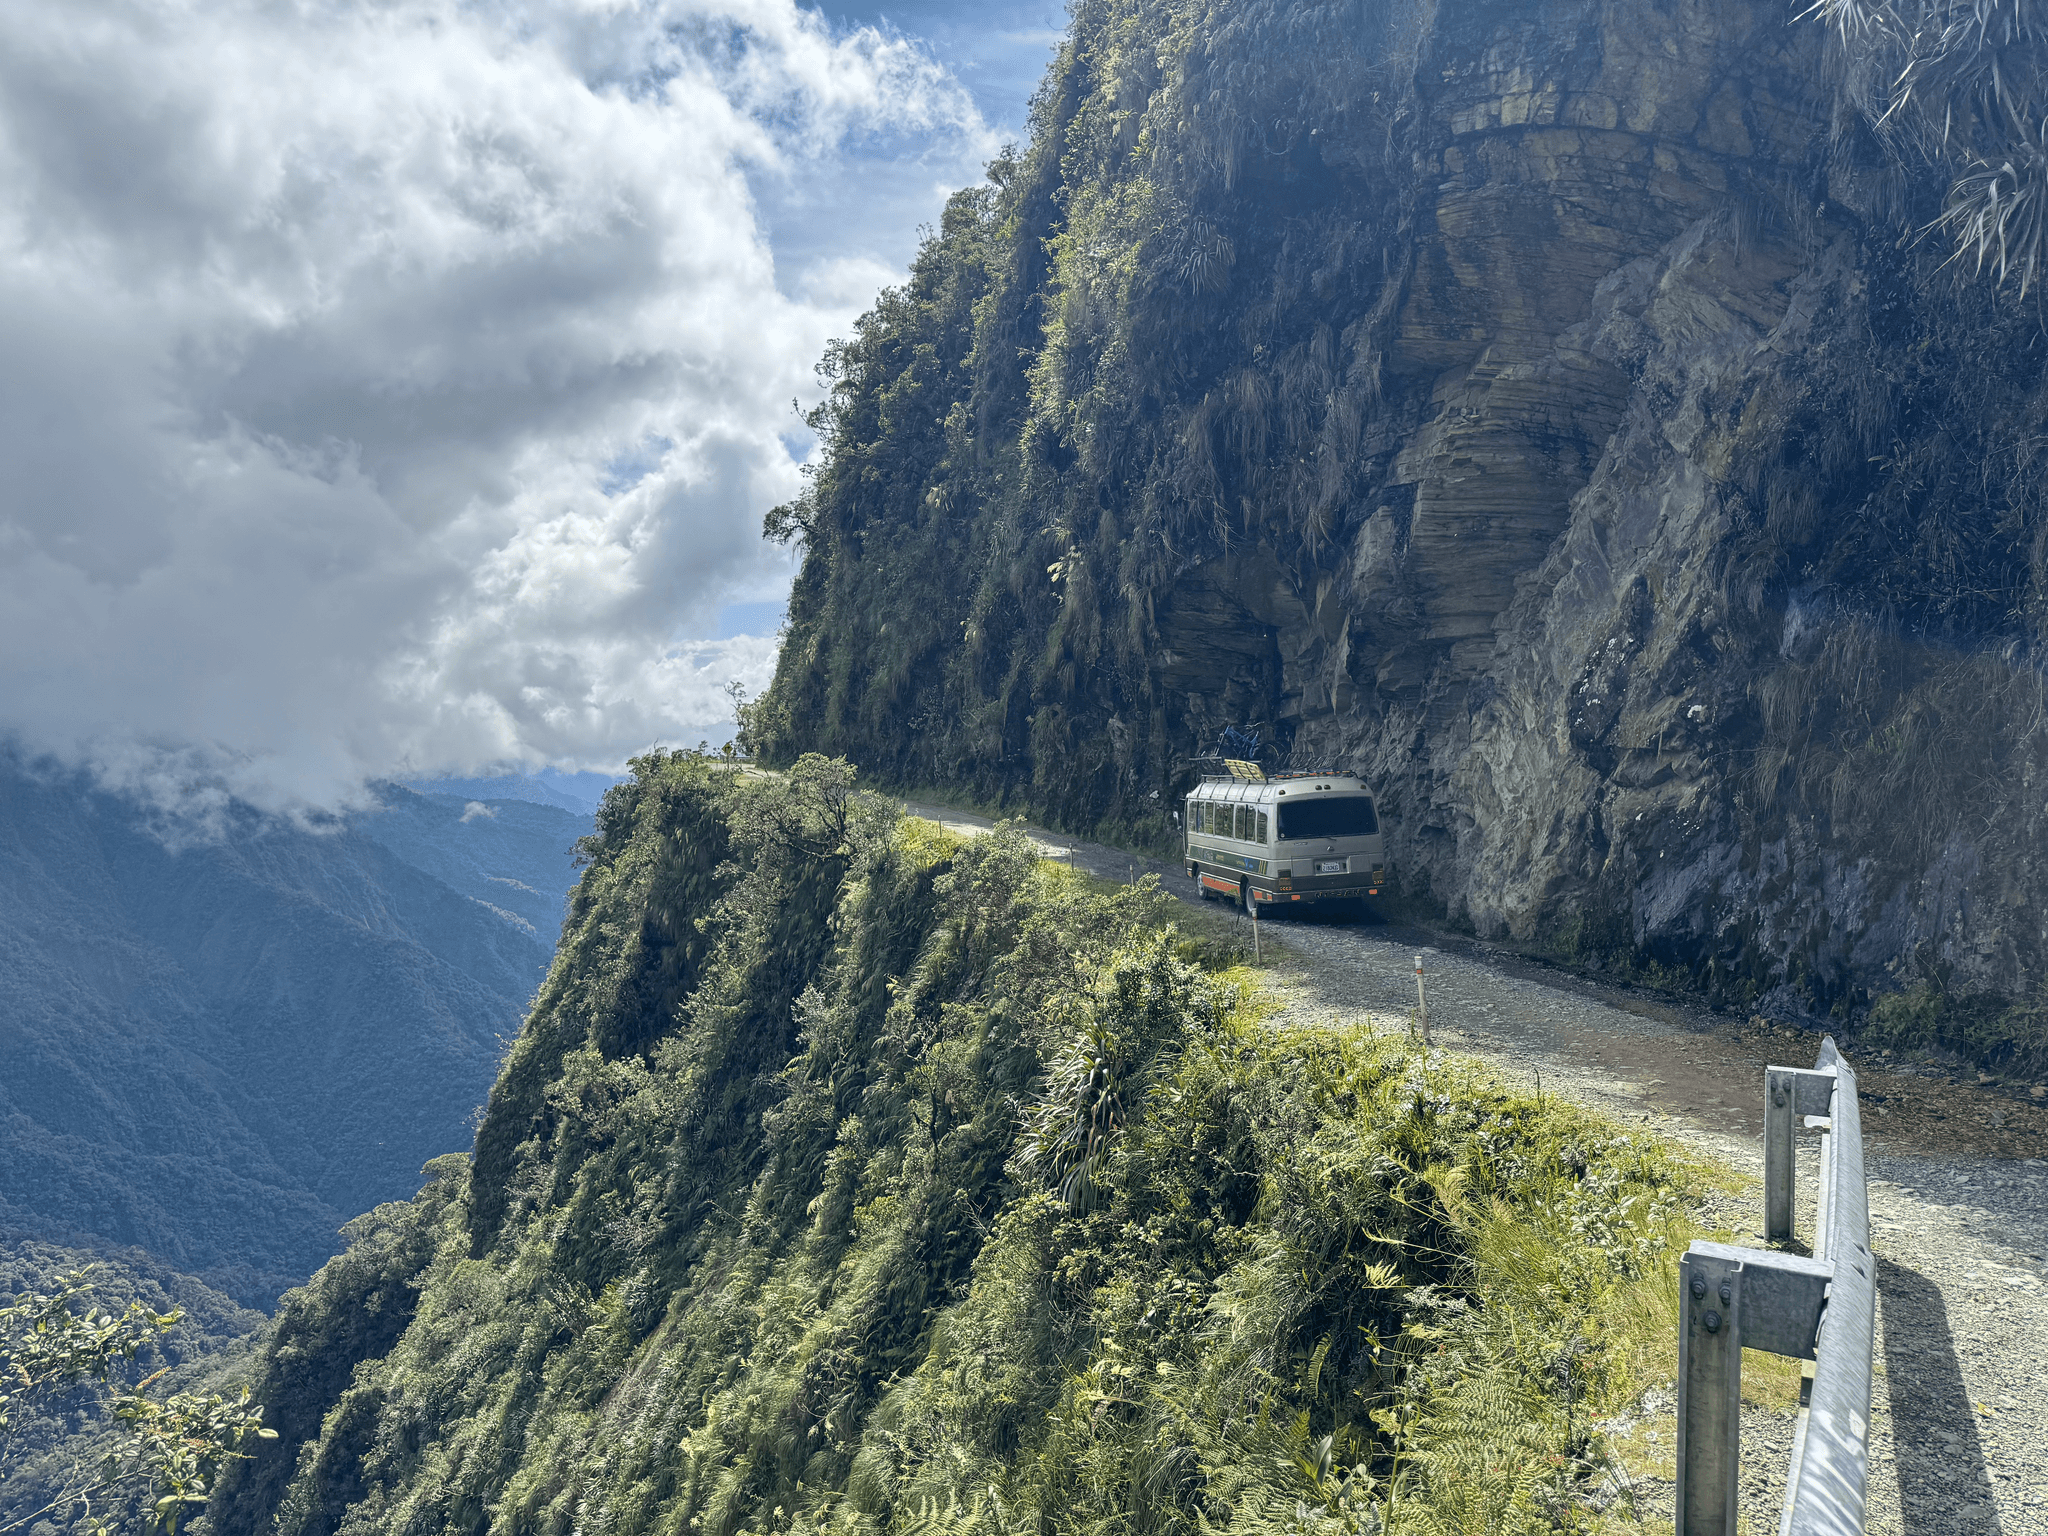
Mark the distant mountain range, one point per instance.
(578, 792)
(221, 1052)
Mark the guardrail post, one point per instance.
(1790, 1093)
(1819, 1309)
(1421, 1003)
(1709, 1393)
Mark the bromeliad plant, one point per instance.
(1961, 82)
(1069, 1131)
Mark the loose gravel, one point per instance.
(1958, 1177)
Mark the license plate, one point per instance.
(1330, 866)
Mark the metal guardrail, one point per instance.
(1822, 1309)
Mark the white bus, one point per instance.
(1260, 839)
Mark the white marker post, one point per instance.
(1421, 1003)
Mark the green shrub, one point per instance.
(1988, 1029)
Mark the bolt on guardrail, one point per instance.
(1821, 1309)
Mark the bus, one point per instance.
(1262, 839)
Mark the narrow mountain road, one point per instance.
(1958, 1192)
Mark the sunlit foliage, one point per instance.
(956, 1190)
(168, 1448)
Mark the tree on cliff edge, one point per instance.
(167, 1449)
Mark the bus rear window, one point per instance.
(1349, 816)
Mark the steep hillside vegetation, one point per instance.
(219, 1051)
(848, 1177)
(1566, 413)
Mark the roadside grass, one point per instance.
(1518, 1272)
(1641, 1441)
(1213, 936)
(1639, 1319)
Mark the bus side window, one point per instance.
(1244, 823)
(1199, 818)
(1262, 826)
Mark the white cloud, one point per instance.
(397, 385)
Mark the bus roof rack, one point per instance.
(1316, 773)
(1214, 767)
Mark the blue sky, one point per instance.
(396, 388)
(998, 50)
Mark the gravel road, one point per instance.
(1958, 1176)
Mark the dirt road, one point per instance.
(1958, 1191)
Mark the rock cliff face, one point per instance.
(1545, 408)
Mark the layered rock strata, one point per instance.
(1537, 407)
